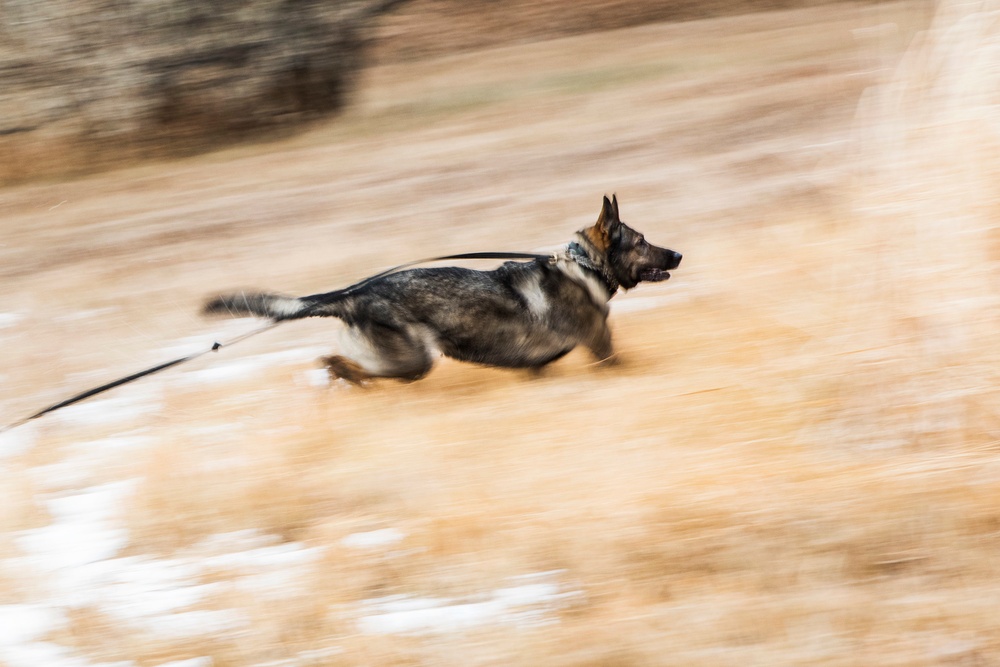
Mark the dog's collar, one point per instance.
(577, 253)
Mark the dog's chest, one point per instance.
(594, 287)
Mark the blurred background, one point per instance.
(796, 463)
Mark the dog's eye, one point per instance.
(642, 242)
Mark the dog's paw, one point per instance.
(340, 368)
(611, 361)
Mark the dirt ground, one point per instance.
(429, 28)
(796, 463)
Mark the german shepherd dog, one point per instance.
(520, 315)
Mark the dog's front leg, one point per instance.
(600, 345)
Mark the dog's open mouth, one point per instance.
(653, 275)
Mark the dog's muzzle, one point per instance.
(654, 275)
(659, 275)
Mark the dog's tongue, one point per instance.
(654, 275)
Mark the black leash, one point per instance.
(135, 376)
(270, 325)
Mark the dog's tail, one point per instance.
(274, 306)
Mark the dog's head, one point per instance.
(626, 252)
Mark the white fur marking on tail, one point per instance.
(284, 306)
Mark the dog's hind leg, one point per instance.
(342, 368)
(538, 369)
(380, 351)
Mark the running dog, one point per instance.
(520, 315)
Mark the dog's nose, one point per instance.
(677, 258)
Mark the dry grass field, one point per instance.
(797, 463)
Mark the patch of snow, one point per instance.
(143, 588)
(93, 504)
(85, 314)
(83, 530)
(373, 539)
(288, 554)
(274, 584)
(76, 559)
(247, 366)
(18, 440)
(137, 402)
(116, 444)
(234, 540)
(293, 355)
(62, 475)
(305, 658)
(316, 377)
(154, 593)
(76, 555)
(319, 653)
(274, 571)
(198, 623)
(203, 661)
(84, 459)
(420, 615)
(33, 654)
(225, 372)
(21, 628)
(27, 622)
(526, 604)
(143, 592)
(224, 330)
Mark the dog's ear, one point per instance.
(608, 219)
(614, 205)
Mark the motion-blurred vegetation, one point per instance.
(92, 84)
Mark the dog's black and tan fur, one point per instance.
(520, 315)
